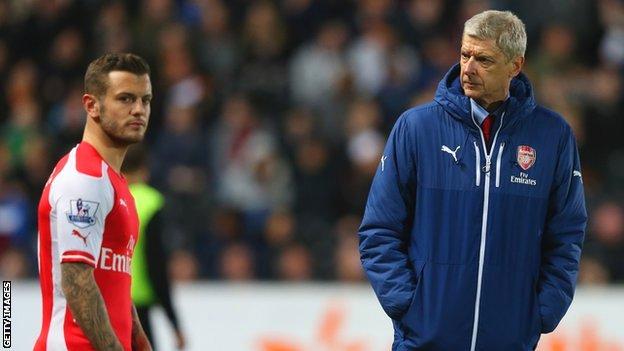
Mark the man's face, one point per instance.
(485, 71)
(125, 108)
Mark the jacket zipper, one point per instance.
(477, 165)
(498, 163)
(484, 218)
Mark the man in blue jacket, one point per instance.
(475, 220)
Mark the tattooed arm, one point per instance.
(139, 339)
(87, 306)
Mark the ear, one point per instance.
(91, 105)
(517, 64)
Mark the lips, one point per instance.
(137, 123)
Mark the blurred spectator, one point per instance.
(65, 60)
(317, 72)
(280, 229)
(236, 263)
(316, 179)
(227, 225)
(383, 65)
(424, 18)
(179, 151)
(300, 125)
(367, 57)
(156, 15)
(602, 91)
(111, 28)
(605, 241)
(5, 11)
(219, 51)
(224, 226)
(179, 147)
(470, 8)
(13, 264)
(438, 54)
(612, 44)
(66, 120)
(40, 23)
(4, 67)
(303, 18)
(249, 173)
(592, 271)
(183, 266)
(294, 263)
(348, 265)
(24, 111)
(364, 146)
(5, 161)
(556, 51)
(151, 286)
(15, 216)
(263, 74)
(269, 117)
(580, 15)
(35, 168)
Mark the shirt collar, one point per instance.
(480, 113)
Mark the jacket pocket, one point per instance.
(538, 323)
(419, 266)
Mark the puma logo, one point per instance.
(578, 174)
(453, 153)
(77, 233)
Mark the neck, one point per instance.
(492, 106)
(112, 153)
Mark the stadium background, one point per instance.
(269, 117)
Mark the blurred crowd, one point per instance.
(269, 117)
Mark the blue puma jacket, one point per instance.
(474, 250)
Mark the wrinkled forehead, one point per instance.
(476, 45)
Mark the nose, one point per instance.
(138, 108)
(470, 66)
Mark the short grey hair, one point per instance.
(505, 28)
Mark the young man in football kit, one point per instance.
(88, 223)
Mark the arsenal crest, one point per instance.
(526, 156)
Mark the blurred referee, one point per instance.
(150, 282)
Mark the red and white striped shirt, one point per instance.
(87, 215)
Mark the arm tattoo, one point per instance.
(139, 339)
(87, 306)
(136, 326)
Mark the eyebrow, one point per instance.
(478, 55)
(132, 94)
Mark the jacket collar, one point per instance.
(451, 96)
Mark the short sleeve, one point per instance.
(81, 204)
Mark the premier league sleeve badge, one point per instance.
(82, 212)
